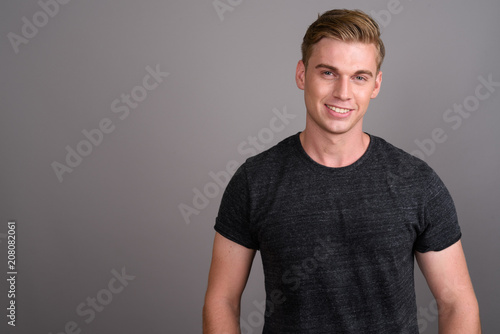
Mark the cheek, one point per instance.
(318, 90)
(364, 95)
(311, 93)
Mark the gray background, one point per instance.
(119, 208)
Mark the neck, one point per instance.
(334, 150)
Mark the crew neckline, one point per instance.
(325, 169)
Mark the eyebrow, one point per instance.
(336, 70)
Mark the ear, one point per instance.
(378, 82)
(300, 75)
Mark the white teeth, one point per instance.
(339, 110)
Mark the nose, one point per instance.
(342, 89)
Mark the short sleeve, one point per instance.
(233, 219)
(441, 228)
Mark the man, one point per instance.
(338, 214)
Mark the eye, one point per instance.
(360, 78)
(327, 73)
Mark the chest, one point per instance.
(365, 219)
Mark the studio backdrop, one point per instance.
(122, 122)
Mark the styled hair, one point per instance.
(344, 25)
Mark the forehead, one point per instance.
(344, 54)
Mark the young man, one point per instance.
(338, 214)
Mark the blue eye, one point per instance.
(359, 77)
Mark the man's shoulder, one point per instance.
(393, 153)
(399, 162)
(277, 154)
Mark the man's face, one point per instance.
(340, 80)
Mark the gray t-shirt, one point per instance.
(337, 244)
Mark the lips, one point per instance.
(338, 110)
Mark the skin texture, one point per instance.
(231, 264)
(343, 75)
(449, 281)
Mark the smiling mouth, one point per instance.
(339, 110)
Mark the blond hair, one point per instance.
(344, 25)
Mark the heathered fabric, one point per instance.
(337, 244)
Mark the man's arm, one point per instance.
(231, 264)
(448, 279)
